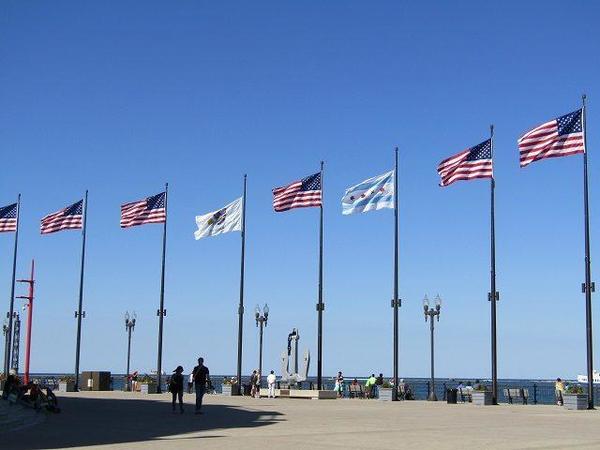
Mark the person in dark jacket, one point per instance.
(176, 388)
(201, 379)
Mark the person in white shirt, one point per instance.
(271, 378)
(190, 383)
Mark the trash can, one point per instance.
(451, 396)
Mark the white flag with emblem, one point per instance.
(223, 220)
(370, 195)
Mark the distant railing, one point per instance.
(540, 392)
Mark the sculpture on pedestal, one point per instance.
(294, 377)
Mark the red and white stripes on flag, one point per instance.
(562, 136)
(69, 218)
(475, 162)
(8, 218)
(303, 193)
(150, 210)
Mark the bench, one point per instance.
(516, 394)
(356, 391)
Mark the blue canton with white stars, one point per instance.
(156, 201)
(311, 182)
(481, 151)
(9, 212)
(76, 209)
(570, 123)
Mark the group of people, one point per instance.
(372, 385)
(200, 378)
(255, 383)
(30, 394)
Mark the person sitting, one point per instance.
(12, 383)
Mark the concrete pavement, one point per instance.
(118, 420)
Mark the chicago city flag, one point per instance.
(223, 220)
(372, 194)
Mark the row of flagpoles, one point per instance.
(562, 136)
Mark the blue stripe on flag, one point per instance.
(372, 194)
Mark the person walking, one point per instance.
(190, 382)
(339, 385)
(253, 384)
(176, 388)
(370, 386)
(201, 377)
(257, 387)
(271, 378)
(559, 390)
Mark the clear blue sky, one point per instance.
(119, 97)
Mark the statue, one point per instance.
(294, 377)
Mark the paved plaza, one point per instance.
(118, 420)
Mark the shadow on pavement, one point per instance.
(93, 421)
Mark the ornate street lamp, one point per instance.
(5, 333)
(261, 320)
(129, 326)
(430, 313)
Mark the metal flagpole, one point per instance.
(493, 295)
(320, 304)
(588, 287)
(7, 352)
(395, 300)
(161, 311)
(241, 305)
(80, 314)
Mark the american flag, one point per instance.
(299, 194)
(475, 162)
(8, 218)
(149, 210)
(69, 218)
(559, 137)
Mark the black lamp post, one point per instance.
(431, 313)
(5, 333)
(261, 319)
(129, 326)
